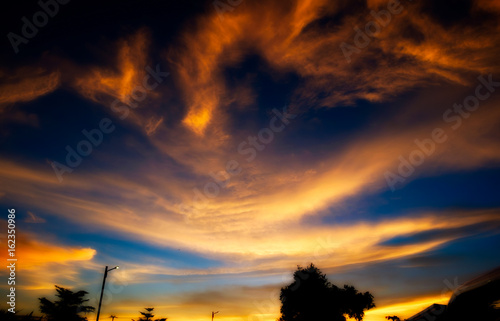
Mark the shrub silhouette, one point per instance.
(312, 297)
(148, 316)
(67, 307)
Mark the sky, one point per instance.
(208, 148)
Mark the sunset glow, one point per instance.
(210, 148)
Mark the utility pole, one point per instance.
(106, 270)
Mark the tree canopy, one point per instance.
(312, 297)
(148, 315)
(68, 306)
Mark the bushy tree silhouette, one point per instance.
(67, 307)
(393, 318)
(311, 297)
(148, 316)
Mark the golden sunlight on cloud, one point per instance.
(405, 309)
(286, 241)
(218, 44)
(262, 206)
(99, 84)
(34, 256)
(273, 193)
(447, 54)
(34, 253)
(120, 83)
(197, 71)
(333, 247)
(40, 263)
(285, 35)
(27, 85)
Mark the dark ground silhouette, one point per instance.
(312, 297)
(68, 306)
(148, 315)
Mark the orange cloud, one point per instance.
(33, 253)
(98, 84)
(287, 37)
(286, 241)
(217, 44)
(28, 84)
(267, 199)
(405, 309)
(102, 83)
(41, 260)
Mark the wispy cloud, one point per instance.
(32, 218)
(27, 84)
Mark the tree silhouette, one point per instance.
(112, 316)
(148, 316)
(312, 297)
(393, 318)
(67, 307)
